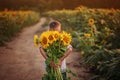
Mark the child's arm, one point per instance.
(52, 64)
(69, 50)
(42, 52)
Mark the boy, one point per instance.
(56, 26)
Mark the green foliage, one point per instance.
(12, 22)
(96, 34)
(78, 20)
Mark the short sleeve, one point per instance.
(69, 46)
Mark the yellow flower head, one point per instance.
(66, 38)
(81, 53)
(80, 8)
(36, 40)
(50, 36)
(44, 39)
(56, 35)
(87, 35)
(91, 21)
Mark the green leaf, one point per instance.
(56, 61)
(63, 49)
(48, 60)
(69, 71)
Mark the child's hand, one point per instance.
(52, 64)
(60, 62)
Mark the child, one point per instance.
(56, 26)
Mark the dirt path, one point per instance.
(20, 60)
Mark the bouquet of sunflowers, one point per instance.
(54, 45)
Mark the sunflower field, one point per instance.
(12, 22)
(96, 34)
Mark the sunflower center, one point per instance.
(50, 37)
(66, 39)
(44, 40)
(56, 36)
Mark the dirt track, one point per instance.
(20, 60)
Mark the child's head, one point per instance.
(55, 25)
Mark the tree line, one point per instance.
(43, 5)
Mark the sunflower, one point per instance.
(36, 40)
(81, 53)
(91, 21)
(66, 38)
(56, 35)
(50, 36)
(44, 39)
(80, 8)
(87, 35)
